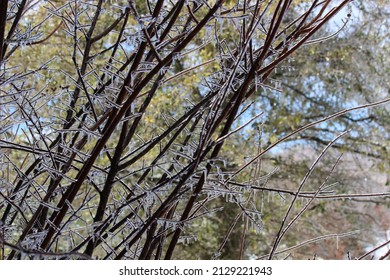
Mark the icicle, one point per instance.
(141, 37)
(129, 89)
(163, 70)
(176, 56)
(149, 197)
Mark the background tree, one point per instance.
(135, 127)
